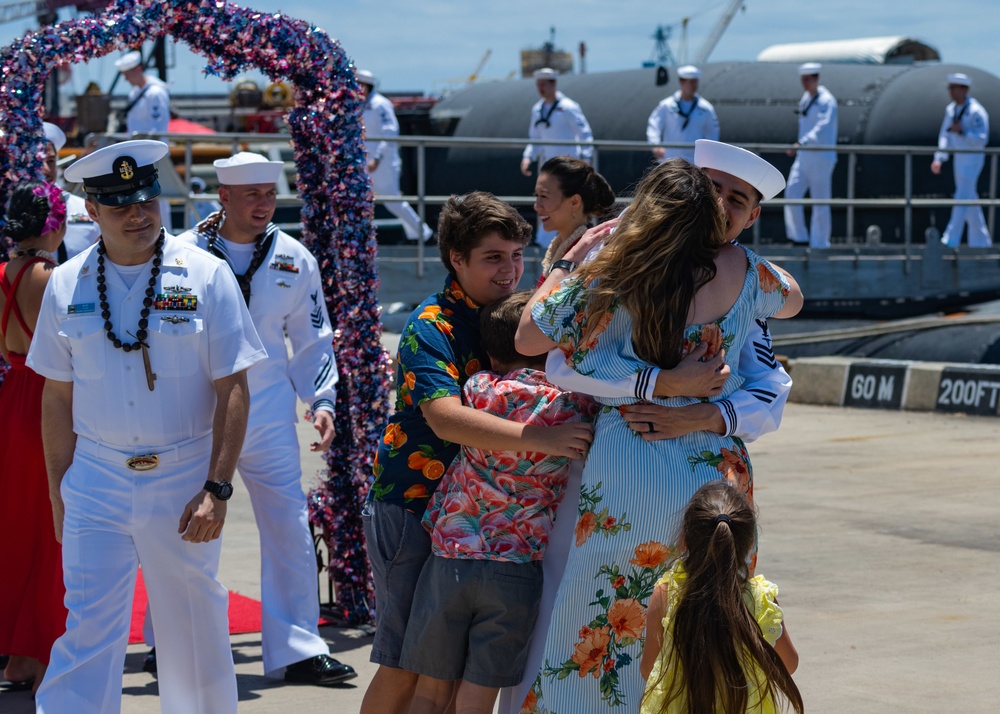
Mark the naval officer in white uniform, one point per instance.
(148, 108)
(81, 230)
(812, 171)
(282, 286)
(966, 125)
(384, 163)
(554, 117)
(144, 342)
(684, 116)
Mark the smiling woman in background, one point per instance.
(568, 194)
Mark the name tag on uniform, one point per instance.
(80, 308)
(175, 301)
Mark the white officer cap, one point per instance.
(129, 60)
(246, 168)
(120, 174)
(54, 135)
(546, 73)
(809, 68)
(365, 76)
(960, 79)
(742, 164)
(688, 71)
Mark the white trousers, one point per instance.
(117, 519)
(385, 181)
(965, 189)
(271, 471)
(815, 175)
(553, 564)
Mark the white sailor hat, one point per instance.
(54, 135)
(809, 68)
(365, 76)
(246, 168)
(688, 71)
(960, 79)
(546, 73)
(742, 164)
(129, 60)
(120, 174)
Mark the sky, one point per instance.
(431, 46)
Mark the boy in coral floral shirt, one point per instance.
(475, 603)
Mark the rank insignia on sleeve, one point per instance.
(175, 301)
(287, 266)
(80, 308)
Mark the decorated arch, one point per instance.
(326, 135)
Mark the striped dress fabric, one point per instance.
(632, 499)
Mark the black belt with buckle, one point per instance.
(145, 462)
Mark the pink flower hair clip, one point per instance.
(57, 207)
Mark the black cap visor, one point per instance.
(127, 198)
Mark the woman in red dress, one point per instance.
(32, 614)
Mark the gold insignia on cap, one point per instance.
(126, 170)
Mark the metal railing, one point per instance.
(421, 200)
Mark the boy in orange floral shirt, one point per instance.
(475, 603)
(481, 240)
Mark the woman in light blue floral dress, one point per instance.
(664, 283)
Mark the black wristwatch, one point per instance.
(222, 490)
(568, 265)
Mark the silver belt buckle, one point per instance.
(145, 462)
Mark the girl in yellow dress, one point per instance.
(715, 639)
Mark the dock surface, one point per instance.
(881, 529)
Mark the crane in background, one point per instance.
(716, 34)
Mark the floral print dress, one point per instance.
(633, 496)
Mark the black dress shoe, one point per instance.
(321, 670)
(149, 664)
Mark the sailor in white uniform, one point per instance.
(554, 117)
(812, 171)
(148, 108)
(742, 179)
(81, 230)
(966, 125)
(281, 284)
(384, 163)
(684, 116)
(144, 342)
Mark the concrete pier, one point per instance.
(881, 529)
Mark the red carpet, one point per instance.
(244, 613)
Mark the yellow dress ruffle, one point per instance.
(759, 596)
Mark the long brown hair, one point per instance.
(662, 251)
(715, 640)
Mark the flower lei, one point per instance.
(326, 130)
(57, 207)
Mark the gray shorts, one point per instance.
(397, 547)
(473, 620)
